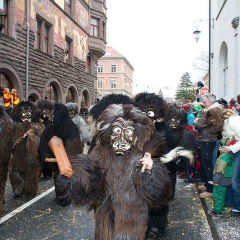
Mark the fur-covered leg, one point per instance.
(105, 220)
(173, 178)
(1, 199)
(158, 219)
(17, 181)
(31, 179)
(3, 179)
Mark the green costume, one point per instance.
(222, 175)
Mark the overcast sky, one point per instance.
(156, 37)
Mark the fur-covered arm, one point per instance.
(178, 159)
(154, 185)
(84, 185)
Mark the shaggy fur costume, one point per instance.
(46, 115)
(6, 145)
(89, 173)
(150, 101)
(97, 110)
(24, 167)
(73, 109)
(184, 135)
(155, 107)
(122, 205)
(46, 108)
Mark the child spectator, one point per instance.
(222, 177)
(190, 117)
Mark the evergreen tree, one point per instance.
(185, 89)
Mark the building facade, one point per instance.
(225, 48)
(50, 49)
(114, 74)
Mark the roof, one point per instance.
(111, 52)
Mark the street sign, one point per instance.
(203, 90)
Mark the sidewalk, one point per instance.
(186, 219)
(225, 228)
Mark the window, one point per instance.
(4, 81)
(88, 64)
(69, 96)
(38, 34)
(67, 6)
(113, 83)
(67, 50)
(51, 93)
(94, 27)
(3, 16)
(84, 98)
(113, 68)
(45, 39)
(100, 68)
(225, 73)
(99, 83)
(43, 31)
(104, 31)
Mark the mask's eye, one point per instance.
(150, 114)
(117, 130)
(129, 132)
(29, 113)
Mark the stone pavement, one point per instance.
(187, 219)
(226, 227)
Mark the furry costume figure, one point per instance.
(155, 108)
(84, 112)
(176, 118)
(121, 207)
(6, 145)
(97, 110)
(63, 127)
(24, 166)
(46, 115)
(73, 109)
(46, 111)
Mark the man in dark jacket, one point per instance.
(206, 140)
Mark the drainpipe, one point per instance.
(27, 47)
(209, 58)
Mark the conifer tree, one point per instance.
(185, 89)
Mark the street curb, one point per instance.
(211, 223)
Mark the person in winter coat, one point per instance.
(206, 140)
(226, 121)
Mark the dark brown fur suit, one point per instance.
(87, 173)
(121, 209)
(46, 108)
(6, 145)
(24, 166)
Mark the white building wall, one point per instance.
(223, 33)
